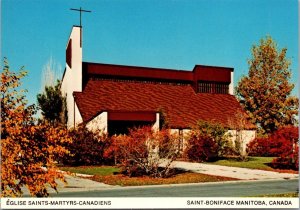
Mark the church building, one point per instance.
(114, 98)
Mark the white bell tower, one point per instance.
(72, 78)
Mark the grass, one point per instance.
(110, 175)
(92, 170)
(252, 163)
(260, 163)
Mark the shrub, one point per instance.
(207, 141)
(219, 134)
(287, 161)
(87, 147)
(168, 144)
(201, 147)
(289, 151)
(277, 144)
(282, 144)
(261, 147)
(140, 151)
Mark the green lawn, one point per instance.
(252, 162)
(92, 170)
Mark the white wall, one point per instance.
(155, 126)
(72, 80)
(99, 123)
(78, 118)
(247, 136)
(231, 85)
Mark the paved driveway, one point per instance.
(234, 172)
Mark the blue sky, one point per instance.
(176, 34)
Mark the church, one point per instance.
(114, 97)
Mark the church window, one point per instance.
(213, 87)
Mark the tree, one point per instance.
(265, 91)
(52, 104)
(28, 149)
(51, 72)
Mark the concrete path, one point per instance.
(75, 184)
(233, 172)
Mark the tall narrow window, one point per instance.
(69, 54)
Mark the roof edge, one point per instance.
(133, 66)
(217, 67)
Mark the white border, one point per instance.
(149, 203)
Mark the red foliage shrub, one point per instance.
(201, 147)
(87, 148)
(125, 147)
(282, 144)
(140, 151)
(287, 161)
(277, 144)
(262, 147)
(289, 156)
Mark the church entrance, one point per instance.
(120, 122)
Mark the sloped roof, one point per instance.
(182, 105)
(199, 73)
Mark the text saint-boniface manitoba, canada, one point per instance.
(240, 202)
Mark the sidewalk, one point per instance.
(233, 172)
(75, 184)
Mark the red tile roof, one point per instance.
(182, 105)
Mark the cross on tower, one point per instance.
(80, 11)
